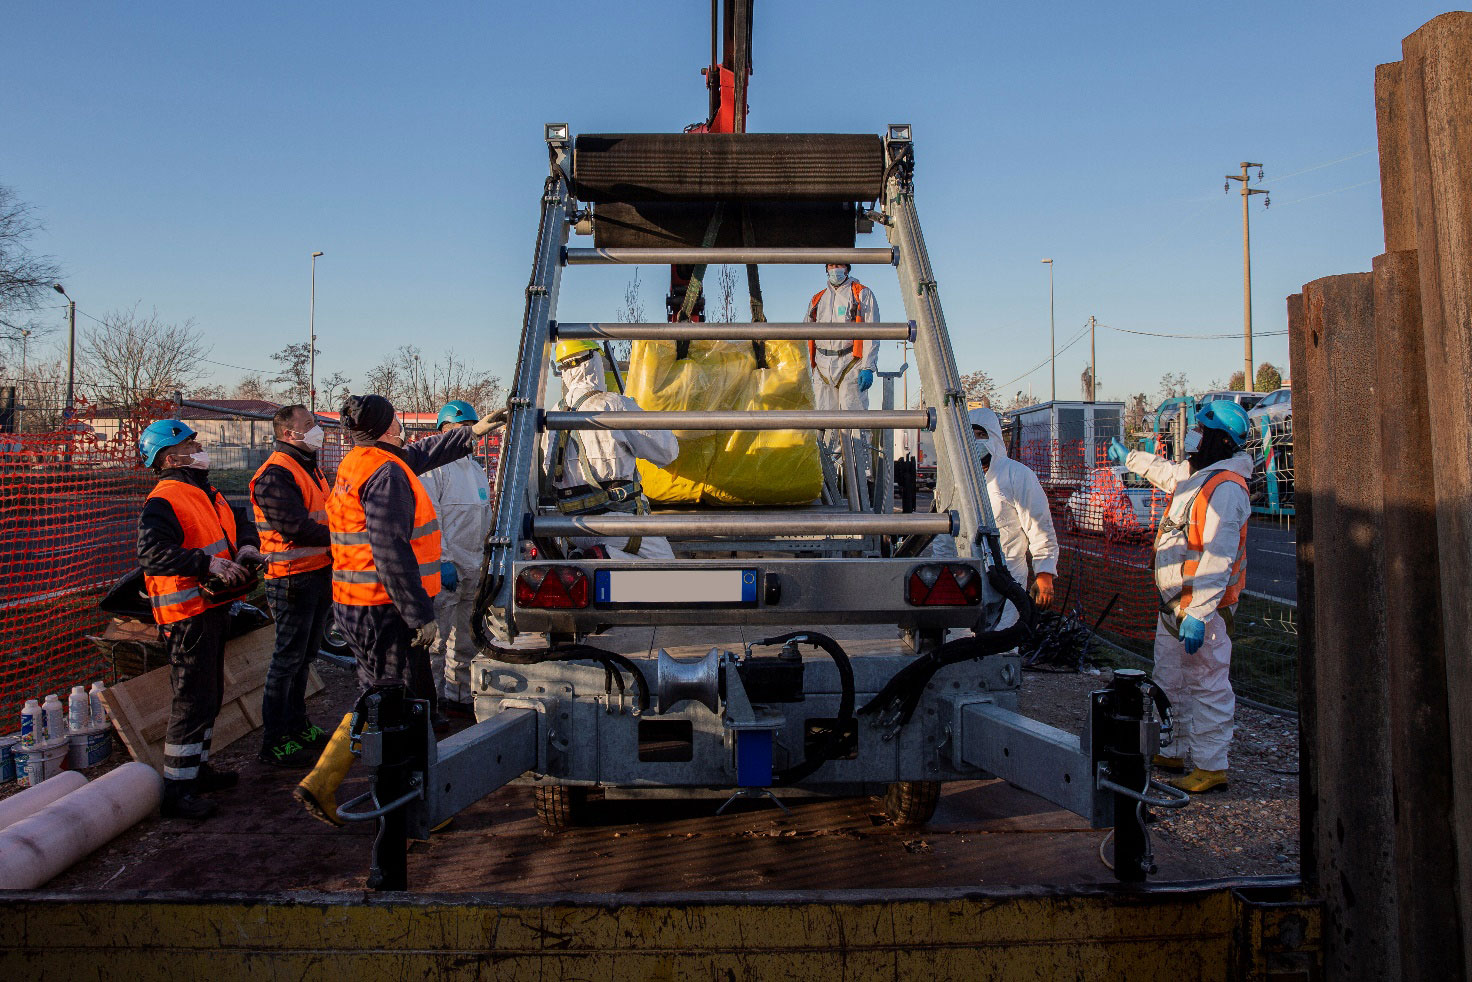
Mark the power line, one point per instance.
(1321, 194)
(1194, 337)
(1327, 163)
(1072, 341)
(207, 361)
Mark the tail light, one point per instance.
(943, 585)
(552, 587)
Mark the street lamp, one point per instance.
(312, 341)
(1052, 335)
(20, 426)
(71, 350)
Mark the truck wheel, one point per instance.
(908, 803)
(561, 807)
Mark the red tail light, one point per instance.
(552, 587)
(943, 585)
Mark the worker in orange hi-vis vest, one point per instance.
(385, 566)
(192, 549)
(843, 370)
(1200, 570)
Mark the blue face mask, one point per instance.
(837, 276)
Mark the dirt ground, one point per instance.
(985, 832)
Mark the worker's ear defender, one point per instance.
(318, 790)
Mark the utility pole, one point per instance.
(20, 427)
(312, 342)
(71, 351)
(1093, 365)
(1052, 336)
(1248, 382)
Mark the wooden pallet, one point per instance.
(139, 707)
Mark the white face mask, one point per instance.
(200, 461)
(314, 437)
(1193, 441)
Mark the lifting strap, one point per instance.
(754, 290)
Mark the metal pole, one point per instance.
(744, 256)
(748, 523)
(312, 341)
(25, 337)
(71, 355)
(1052, 337)
(764, 331)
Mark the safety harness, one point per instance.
(858, 346)
(1192, 521)
(595, 497)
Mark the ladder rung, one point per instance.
(800, 331)
(768, 419)
(714, 523)
(731, 257)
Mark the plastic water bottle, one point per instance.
(31, 726)
(78, 710)
(97, 712)
(53, 719)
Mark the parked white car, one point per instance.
(1116, 503)
(1276, 404)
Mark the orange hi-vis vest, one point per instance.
(853, 315)
(1195, 547)
(208, 525)
(282, 557)
(354, 579)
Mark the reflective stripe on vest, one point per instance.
(355, 579)
(283, 558)
(208, 525)
(853, 316)
(1189, 555)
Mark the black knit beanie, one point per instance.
(367, 417)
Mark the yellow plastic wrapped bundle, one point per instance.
(766, 467)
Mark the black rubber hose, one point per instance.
(830, 747)
(902, 692)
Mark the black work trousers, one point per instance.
(196, 647)
(300, 604)
(381, 642)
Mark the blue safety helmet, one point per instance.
(161, 436)
(456, 411)
(1227, 416)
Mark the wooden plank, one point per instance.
(139, 707)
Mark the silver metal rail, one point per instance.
(761, 419)
(747, 523)
(728, 257)
(800, 331)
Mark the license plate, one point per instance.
(676, 588)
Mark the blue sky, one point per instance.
(191, 157)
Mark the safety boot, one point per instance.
(180, 801)
(1200, 781)
(209, 779)
(318, 790)
(1175, 765)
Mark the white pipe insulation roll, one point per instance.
(35, 849)
(32, 800)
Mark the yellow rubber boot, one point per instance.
(318, 790)
(1176, 765)
(1200, 781)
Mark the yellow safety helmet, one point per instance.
(571, 349)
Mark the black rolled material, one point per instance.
(727, 166)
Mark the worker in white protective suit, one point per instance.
(592, 472)
(1200, 570)
(461, 492)
(1020, 509)
(843, 371)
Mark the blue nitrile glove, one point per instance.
(1118, 452)
(866, 379)
(1193, 634)
(449, 577)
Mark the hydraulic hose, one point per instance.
(901, 694)
(830, 747)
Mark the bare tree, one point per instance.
(632, 312)
(25, 278)
(412, 383)
(1173, 384)
(252, 386)
(211, 391)
(1136, 412)
(1021, 401)
(726, 288)
(294, 378)
(133, 356)
(979, 387)
(333, 387)
(387, 380)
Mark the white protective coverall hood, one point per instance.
(611, 453)
(1019, 507)
(1198, 683)
(832, 357)
(462, 498)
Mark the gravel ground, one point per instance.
(1248, 829)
